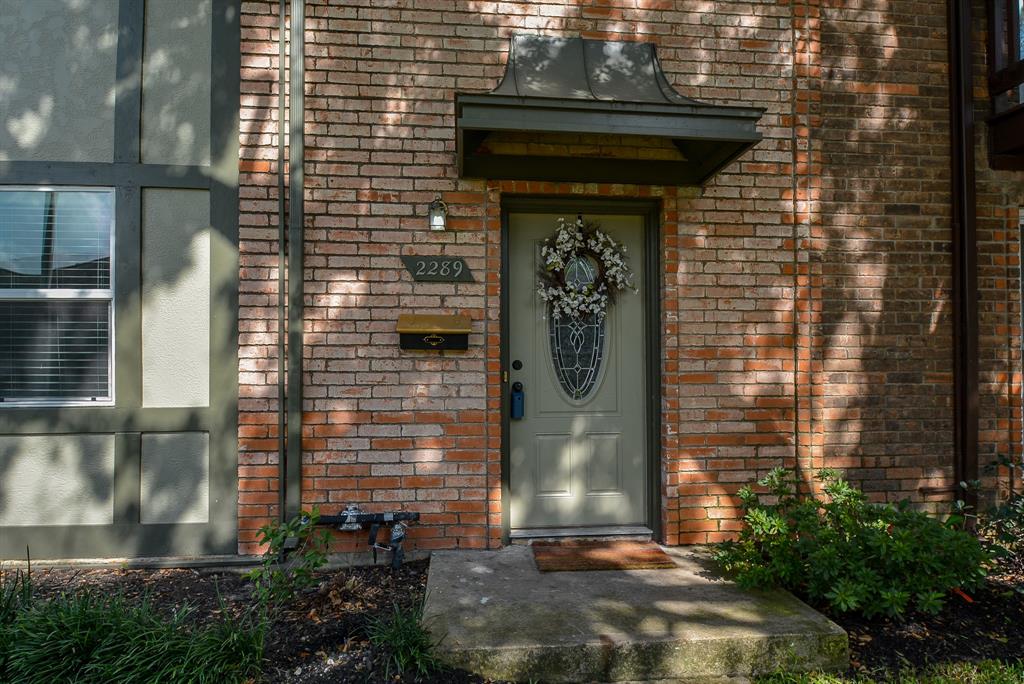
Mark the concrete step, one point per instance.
(498, 616)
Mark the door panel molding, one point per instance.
(650, 212)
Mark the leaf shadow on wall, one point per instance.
(91, 29)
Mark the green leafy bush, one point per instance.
(409, 647)
(85, 637)
(278, 577)
(850, 554)
(1004, 529)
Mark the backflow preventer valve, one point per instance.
(354, 520)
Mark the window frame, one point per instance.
(1005, 74)
(81, 294)
(1006, 63)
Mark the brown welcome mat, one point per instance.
(590, 555)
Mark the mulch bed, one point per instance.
(987, 625)
(318, 638)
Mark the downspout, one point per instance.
(965, 248)
(296, 213)
(282, 475)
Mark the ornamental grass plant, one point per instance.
(408, 646)
(840, 551)
(87, 637)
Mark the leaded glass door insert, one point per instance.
(577, 344)
(578, 456)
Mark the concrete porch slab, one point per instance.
(498, 616)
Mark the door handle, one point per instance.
(518, 402)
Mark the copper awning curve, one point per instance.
(558, 85)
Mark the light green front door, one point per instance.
(576, 461)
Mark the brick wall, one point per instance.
(881, 374)
(1000, 200)
(729, 383)
(806, 291)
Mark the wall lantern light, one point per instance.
(438, 213)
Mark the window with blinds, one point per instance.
(56, 295)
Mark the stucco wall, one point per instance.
(175, 478)
(57, 73)
(57, 480)
(176, 82)
(175, 297)
(156, 473)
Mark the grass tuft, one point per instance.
(982, 672)
(15, 596)
(407, 644)
(86, 637)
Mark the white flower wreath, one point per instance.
(578, 240)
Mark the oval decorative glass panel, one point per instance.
(577, 343)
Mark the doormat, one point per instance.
(591, 555)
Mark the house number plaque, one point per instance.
(438, 269)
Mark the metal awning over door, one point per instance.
(580, 86)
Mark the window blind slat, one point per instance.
(54, 349)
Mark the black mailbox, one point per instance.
(434, 332)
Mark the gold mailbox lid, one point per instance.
(434, 323)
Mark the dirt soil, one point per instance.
(320, 637)
(984, 625)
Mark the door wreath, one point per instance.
(582, 270)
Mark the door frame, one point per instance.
(650, 211)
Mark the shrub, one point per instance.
(852, 555)
(407, 643)
(85, 637)
(1003, 527)
(278, 578)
